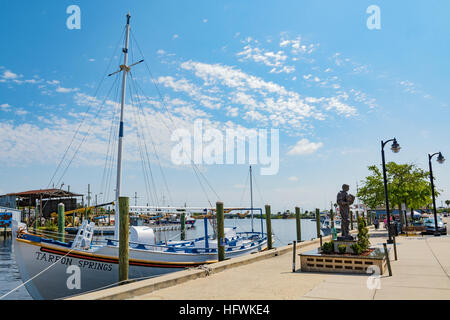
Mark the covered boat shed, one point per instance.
(46, 200)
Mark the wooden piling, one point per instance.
(220, 231)
(298, 224)
(318, 222)
(124, 204)
(183, 226)
(61, 222)
(269, 227)
(332, 218)
(351, 220)
(386, 254)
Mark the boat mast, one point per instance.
(125, 70)
(251, 195)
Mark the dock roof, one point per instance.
(45, 194)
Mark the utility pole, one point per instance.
(251, 195)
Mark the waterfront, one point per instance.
(283, 229)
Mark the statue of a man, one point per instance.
(344, 200)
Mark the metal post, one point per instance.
(318, 222)
(61, 222)
(220, 231)
(388, 214)
(89, 195)
(298, 224)
(436, 232)
(124, 203)
(268, 227)
(395, 248)
(251, 195)
(294, 244)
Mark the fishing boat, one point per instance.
(53, 268)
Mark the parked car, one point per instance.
(431, 226)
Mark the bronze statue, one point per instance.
(344, 200)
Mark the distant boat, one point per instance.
(326, 226)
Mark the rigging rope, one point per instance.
(194, 167)
(86, 113)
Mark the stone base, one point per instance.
(347, 243)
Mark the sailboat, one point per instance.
(53, 269)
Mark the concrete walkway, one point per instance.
(421, 272)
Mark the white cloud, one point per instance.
(53, 82)
(232, 112)
(5, 107)
(304, 146)
(272, 59)
(66, 90)
(340, 107)
(8, 75)
(196, 92)
(21, 112)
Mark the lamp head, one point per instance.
(440, 158)
(395, 146)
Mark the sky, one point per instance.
(333, 87)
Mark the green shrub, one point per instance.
(342, 248)
(356, 249)
(363, 234)
(328, 247)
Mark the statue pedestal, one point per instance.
(348, 244)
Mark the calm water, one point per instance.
(9, 273)
(284, 231)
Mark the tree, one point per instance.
(447, 202)
(407, 184)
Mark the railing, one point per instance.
(187, 246)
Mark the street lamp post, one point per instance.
(395, 148)
(441, 160)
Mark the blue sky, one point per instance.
(312, 69)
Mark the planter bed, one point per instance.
(315, 261)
